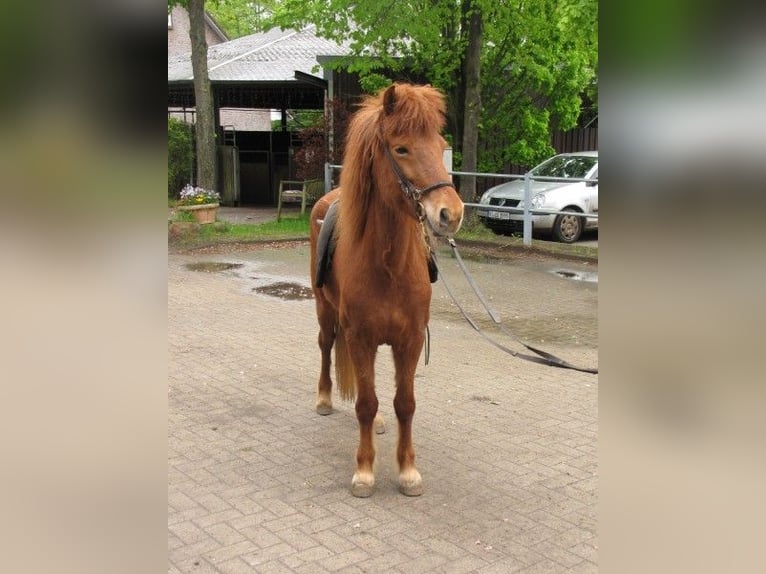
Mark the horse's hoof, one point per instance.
(379, 424)
(410, 483)
(413, 490)
(362, 490)
(362, 486)
(324, 409)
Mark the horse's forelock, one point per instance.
(418, 109)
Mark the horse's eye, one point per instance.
(401, 150)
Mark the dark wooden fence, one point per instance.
(578, 139)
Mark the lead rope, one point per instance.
(544, 357)
(430, 256)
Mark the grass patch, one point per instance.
(287, 227)
(474, 230)
(223, 231)
(481, 242)
(185, 234)
(474, 238)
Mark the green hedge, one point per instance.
(180, 155)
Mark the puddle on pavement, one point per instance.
(266, 285)
(211, 266)
(286, 290)
(587, 276)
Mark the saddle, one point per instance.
(326, 248)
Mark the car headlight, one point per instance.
(484, 198)
(538, 201)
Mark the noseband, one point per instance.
(408, 188)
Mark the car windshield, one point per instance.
(565, 166)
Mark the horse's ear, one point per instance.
(389, 100)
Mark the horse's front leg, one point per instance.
(363, 481)
(406, 357)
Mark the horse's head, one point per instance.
(410, 125)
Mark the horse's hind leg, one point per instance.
(327, 319)
(379, 424)
(406, 358)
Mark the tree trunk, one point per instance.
(205, 124)
(472, 108)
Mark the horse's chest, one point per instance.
(389, 308)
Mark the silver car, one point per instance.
(577, 197)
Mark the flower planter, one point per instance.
(204, 213)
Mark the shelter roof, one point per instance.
(272, 56)
(277, 69)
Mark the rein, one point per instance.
(414, 194)
(543, 357)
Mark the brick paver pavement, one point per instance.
(257, 482)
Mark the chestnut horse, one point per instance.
(376, 290)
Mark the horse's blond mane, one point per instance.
(417, 110)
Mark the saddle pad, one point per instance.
(326, 243)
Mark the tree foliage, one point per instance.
(546, 61)
(315, 149)
(537, 59)
(242, 17)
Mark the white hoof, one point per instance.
(410, 483)
(379, 424)
(324, 409)
(363, 484)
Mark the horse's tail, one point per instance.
(344, 368)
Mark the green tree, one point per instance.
(203, 99)
(546, 61)
(537, 57)
(241, 17)
(474, 22)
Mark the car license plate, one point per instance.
(499, 215)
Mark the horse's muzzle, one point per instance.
(444, 217)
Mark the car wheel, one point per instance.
(567, 228)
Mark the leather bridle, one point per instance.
(409, 189)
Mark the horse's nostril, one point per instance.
(444, 216)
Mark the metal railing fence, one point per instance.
(526, 209)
